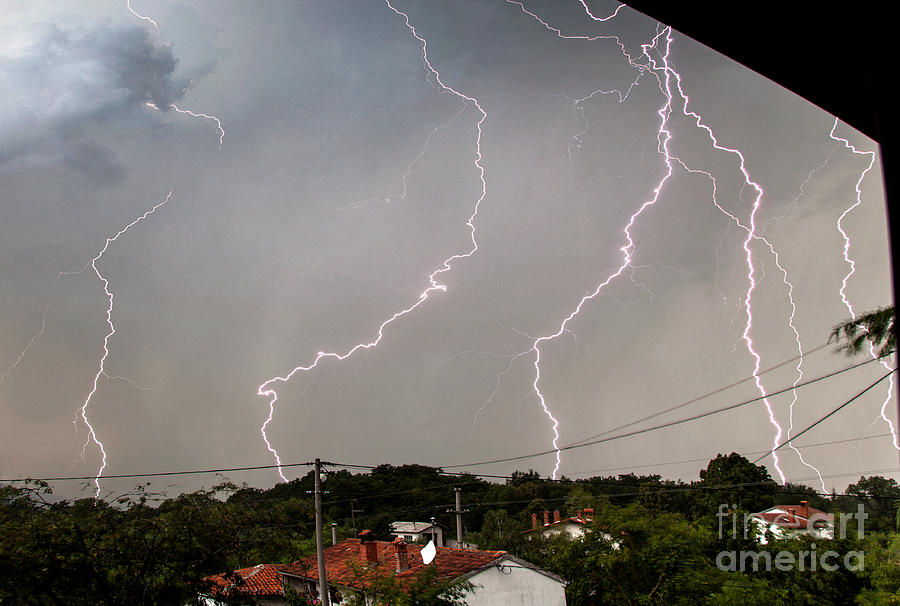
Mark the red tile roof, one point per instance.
(341, 559)
(260, 581)
(794, 516)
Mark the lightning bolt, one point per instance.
(790, 295)
(195, 115)
(101, 370)
(172, 105)
(139, 16)
(267, 389)
(409, 167)
(852, 264)
(22, 353)
(591, 15)
(663, 138)
(127, 380)
(752, 282)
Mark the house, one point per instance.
(496, 576)
(416, 532)
(260, 584)
(573, 527)
(784, 520)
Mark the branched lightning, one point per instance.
(790, 295)
(409, 168)
(126, 380)
(852, 270)
(663, 138)
(101, 371)
(666, 74)
(24, 351)
(751, 266)
(172, 105)
(266, 389)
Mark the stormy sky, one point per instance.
(346, 176)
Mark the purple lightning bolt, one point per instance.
(663, 138)
(751, 266)
(101, 371)
(790, 295)
(852, 270)
(266, 389)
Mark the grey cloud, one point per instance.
(68, 77)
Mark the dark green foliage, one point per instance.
(143, 548)
(382, 587)
(875, 328)
(734, 480)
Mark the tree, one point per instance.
(379, 586)
(633, 556)
(878, 495)
(733, 480)
(876, 328)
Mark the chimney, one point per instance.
(579, 515)
(368, 548)
(588, 514)
(546, 518)
(402, 556)
(555, 516)
(804, 507)
(534, 523)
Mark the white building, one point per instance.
(497, 578)
(415, 532)
(573, 527)
(786, 520)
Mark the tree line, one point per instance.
(147, 548)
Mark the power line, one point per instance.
(847, 403)
(770, 394)
(695, 417)
(157, 473)
(573, 446)
(707, 394)
(743, 454)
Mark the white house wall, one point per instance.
(515, 585)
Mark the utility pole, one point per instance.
(320, 547)
(458, 511)
(353, 512)
(433, 531)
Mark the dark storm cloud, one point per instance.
(70, 77)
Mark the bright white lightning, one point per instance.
(591, 15)
(840, 227)
(139, 16)
(663, 138)
(101, 371)
(266, 389)
(790, 296)
(751, 267)
(195, 115)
